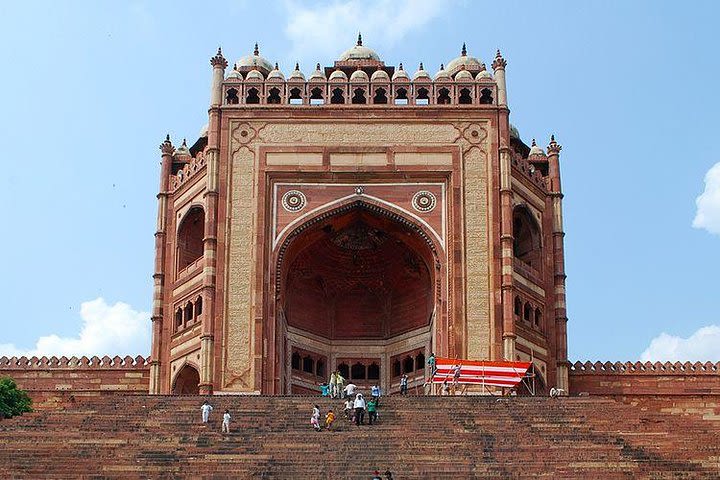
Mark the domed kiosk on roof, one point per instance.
(254, 62)
(471, 64)
(359, 52)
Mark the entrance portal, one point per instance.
(187, 381)
(356, 294)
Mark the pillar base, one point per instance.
(509, 347)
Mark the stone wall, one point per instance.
(51, 381)
(628, 379)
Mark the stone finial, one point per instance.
(317, 66)
(463, 52)
(359, 41)
(218, 60)
(166, 147)
(553, 147)
(499, 63)
(421, 67)
(400, 67)
(297, 66)
(533, 143)
(442, 66)
(276, 66)
(256, 52)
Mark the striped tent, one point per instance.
(481, 372)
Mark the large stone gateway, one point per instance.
(357, 219)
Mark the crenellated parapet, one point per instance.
(650, 368)
(95, 362)
(188, 171)
(529, 171)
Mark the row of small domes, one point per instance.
(360, 76)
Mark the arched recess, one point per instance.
(187, 381)
(190, 234)
(527, 243)
(388, 225)
(534, 384)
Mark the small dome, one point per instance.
(514, 133)
(276, 74)
(535, 150)
(484, 75)
(359, 52)
(254, 75)
(297, 74)
(182, 150)
(463, 76)
(338, 76)
(235, 76)
(400, 74)
(317, 75)
(359, 76)
(442, 74)
(421, 74)
(463, 60)
(254, 60)
(380, 75)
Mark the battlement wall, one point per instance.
(49, 380)
(645, 378)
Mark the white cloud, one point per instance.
(106, 330)
(322, 29)
(701, 346)
(708, 203)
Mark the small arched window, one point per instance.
(253, 96)
(231, 97)
(408, 365)
(344, 370)
(538, 318)
(320, 368)
(295, 361)
(373, 371)
(295, 96)
(527, 312)
(465, 97)
(337, 96)
(190, 237)
(316, 96)
(443, 96)
(178, 318)
(526, 238)
(308, 365)
(420, 361)
(274, 96)
(380, 96)
(486, 96)
(401, 97)
(358, 96)
(198, 307)
(397, 368)
(518, 306)
(188, 312)
(358, 371)
(422, 97)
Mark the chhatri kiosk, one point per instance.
(357, 217)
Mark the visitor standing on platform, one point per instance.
(403, 384)
(359, 409)
(324, 389)
(340, 380)
(333, 385)
(206, 409)
(431, 363)
(456, 377)
(226, 422)
(375, 393)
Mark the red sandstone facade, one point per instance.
(357, 219)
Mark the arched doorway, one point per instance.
(356, 289)
(187, 381)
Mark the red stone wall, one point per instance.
(627, 379)
(50, 381)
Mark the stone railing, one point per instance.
(25, 363)
(187, 172)
(530, 172)
(616, 368)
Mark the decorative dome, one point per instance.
(254, 60)
(338, 76)
(359, 76)
(235, 76)
(442, 74)
(535, 150)
(276, 74)
(514, 133)
(484, 75)
(464, 76)
(470, 63)
(400, 74)
(254, 75)
(359, 52)
(380, 75)
(182, 150)
(297, 74)
(317, 75)
(421, 74)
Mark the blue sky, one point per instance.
(629, 89)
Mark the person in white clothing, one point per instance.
(206, 409)
(359, 409)
(556, 392)
(350, 390)
(226, 422)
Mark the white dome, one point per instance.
(463, 76)
(297, 74)
(234, 75)
(514, 133)
(463, 59)
(254, 75)
(254, 60)
(317, 75)
(535, 150)
(484, 75)
(359, 52)
(380, 76)
(183, 149)
(421, 74)
(400, 74)
(359, 76)
(442, 74)
(338, 75)
(276, 74)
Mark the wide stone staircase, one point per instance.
(153, 437)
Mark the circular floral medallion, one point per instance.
(424, 201)
(293, 200)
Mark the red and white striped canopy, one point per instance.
(482, 372)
